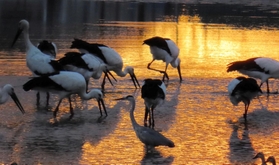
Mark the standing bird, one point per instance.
(83, 63)
(39, 63)
(65, 84)
(7, 91)
(166, 50)
(107, 56)
(48, 48)
(271, 159)
(153, 92)
(262, 68)
(146, 135)
(243, 89)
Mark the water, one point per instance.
(197, 114)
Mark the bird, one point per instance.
(65, 84)
(38, 62)
(6, 91)
(153, 92)
(243, 89)
(149, 137)
(261, 68)
(261, 156)
(83, 63)
(48, 48)
(271, 159)
(166, 50)
(107, 56)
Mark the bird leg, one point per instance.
(57, 108)
(104, 80)
(47, 99)
(38, 98)
(267, 86)
(145, 116)
(246, 109)
(152, 117)
(71, 108)
(161, 71)
(179, 72)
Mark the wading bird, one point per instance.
(153, 92)
(261, 156)
(83, 63)
(271, 159)
(39, 63)
(243, 89)
(65, 84)
(146, 135)
(260, 67)
(108, 56)
(7, 91)
(166, 50)
(48, 48)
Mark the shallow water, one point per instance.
(197, 114)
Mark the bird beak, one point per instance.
(101, 103)
(16, 37)
(14, 97)
(135, 80)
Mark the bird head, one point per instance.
(271, 159)
(23, 25)
(10, 90)
(259, 155)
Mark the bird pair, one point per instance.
(270, 159)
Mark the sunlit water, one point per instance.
(197, 114)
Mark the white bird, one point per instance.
(153, 92)
(65, 84)
(146, 135)
(261, 156)
(166, 50)
(107, 56)
(261, 68)
(48, 48)
(83, 63)
(38, 62)
(271, 159)
(5, 92)
(243, 89)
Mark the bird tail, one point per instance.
(171, 144)
(32, 83)
(234, 66)
(79, 44)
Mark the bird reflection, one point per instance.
(154, 156)
(241, 149)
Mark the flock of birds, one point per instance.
(71, 74)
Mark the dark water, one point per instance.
(197, 114)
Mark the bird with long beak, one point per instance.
(7, 91)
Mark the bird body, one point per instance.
(261, 68)
(153, 92)
(146, 135)
(83, 63)
(37, 62)
(8, 91)
(271, 159)
(107, 56)
(243, 89)
(166, 50)
(64, 84)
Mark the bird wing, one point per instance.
(268, 65)
(75, 59)
(153, 89)
(158, 42)
(249, 64)
(153, 138)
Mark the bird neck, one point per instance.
(122, 73)
(27, 41)
(132, 117)
(174, 63)
(84, 95)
